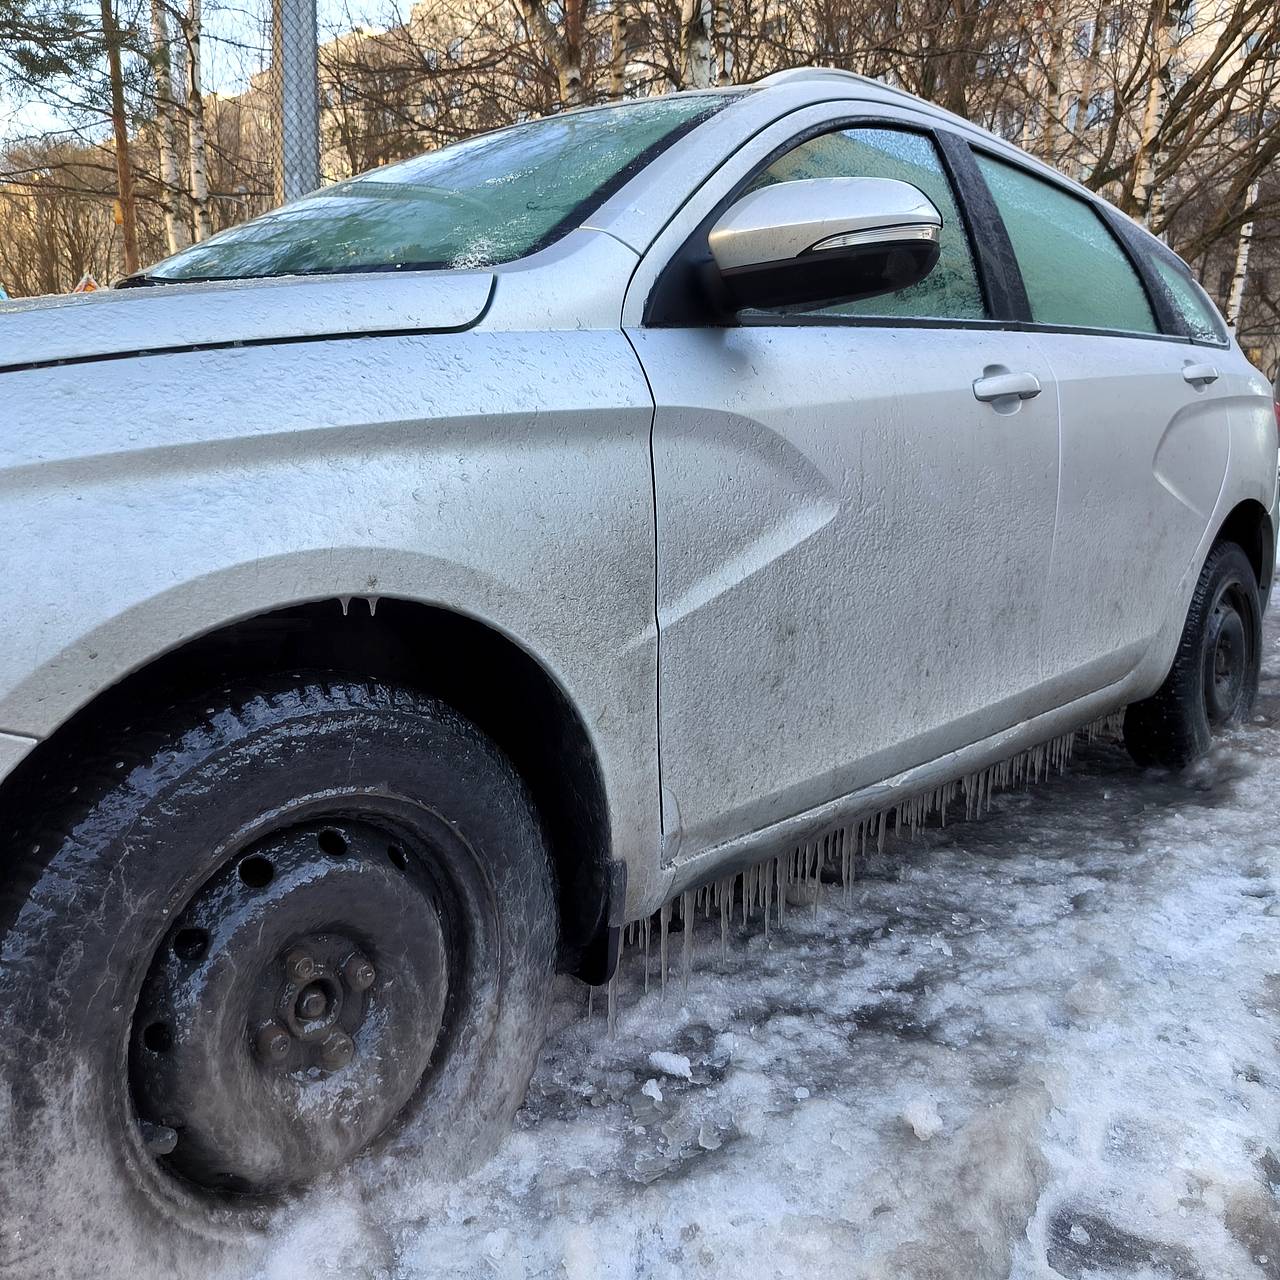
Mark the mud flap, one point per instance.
(599, 957)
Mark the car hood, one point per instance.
(162, 318)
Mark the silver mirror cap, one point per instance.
(787, 219)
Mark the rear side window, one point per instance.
(1074, 271)
(950, 291)
(1189, 300)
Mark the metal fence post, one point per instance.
(295, 99)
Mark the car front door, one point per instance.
(852, 540)
(1145, 441)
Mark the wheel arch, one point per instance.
(483, 673)
(1248, 524)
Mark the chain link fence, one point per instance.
(295, 99)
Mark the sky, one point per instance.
(236, 43)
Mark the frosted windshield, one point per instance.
(490, 199)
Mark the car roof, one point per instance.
(833, 83)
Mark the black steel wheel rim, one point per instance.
(295, 1004)
(1228, 656)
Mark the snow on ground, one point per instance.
(1039, 1044)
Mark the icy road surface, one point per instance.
(1039, 1044)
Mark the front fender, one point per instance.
(502, 475)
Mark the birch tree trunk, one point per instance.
(177, 232)
(195, 126)
(120, 128)
(564, 49)
(1235, 299)
(695, 42)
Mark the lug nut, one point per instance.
(336, 1051)
(299, 965)
(273, 1043)
(312, 1003)
(159, 1139)
(359, 973)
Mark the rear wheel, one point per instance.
(258, 937)
(1214, 678)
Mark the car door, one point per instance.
(1144, 431)
(851, 543)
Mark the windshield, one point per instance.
(491, 199)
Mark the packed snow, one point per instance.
(1042, 1043)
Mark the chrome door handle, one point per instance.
(1203, 374)
(998, 385)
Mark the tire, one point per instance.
(269, 932)
(1214, 678)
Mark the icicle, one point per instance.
(664, 922)
(612, 1020)
(647, 923)
(686, 943)
(765, 894)
(591, 1002)
(726, 905)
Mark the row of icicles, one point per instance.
(834, 857)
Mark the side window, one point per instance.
(1074, 271)
(1197, 312)
(950, 291)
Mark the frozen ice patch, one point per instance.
(671, 1064)
(922, 1115)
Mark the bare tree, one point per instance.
(120, 128)
(177, 230)
(695, 59)
(192, 31)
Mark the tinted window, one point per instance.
(950, 290)
(1074, 271)
(1191, 303)
(490, 199)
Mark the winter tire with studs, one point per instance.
(1214, 678)
(259, 937)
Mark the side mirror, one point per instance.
(819, 241)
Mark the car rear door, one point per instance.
(852, 540)
(1144, 428)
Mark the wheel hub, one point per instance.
(1226, 662)
(293, 1007)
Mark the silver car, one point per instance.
(411, 588)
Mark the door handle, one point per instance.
(1201, 374)
(1023, 385)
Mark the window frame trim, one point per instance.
(998, 261)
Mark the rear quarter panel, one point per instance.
(1248, 418)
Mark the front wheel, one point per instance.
(1214, 678)
(256, 937)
